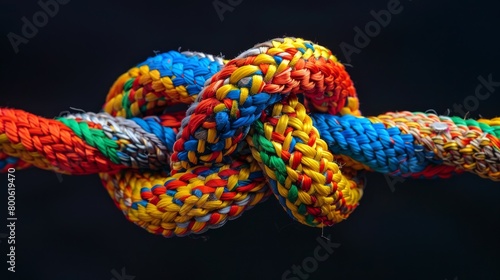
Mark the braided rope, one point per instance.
(248, 84)
(301, 171)
(281, 118)
(163, 80)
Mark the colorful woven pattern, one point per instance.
(187, 141)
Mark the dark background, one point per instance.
(428, 57)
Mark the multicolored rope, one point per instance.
(282, 118)
(7, 162)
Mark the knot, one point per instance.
(187, 141)
(259, 77)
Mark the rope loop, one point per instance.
(187, 141)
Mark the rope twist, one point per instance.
(187, 141)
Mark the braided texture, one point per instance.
(187, 141)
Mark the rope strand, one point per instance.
(187, 141)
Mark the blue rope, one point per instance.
(385, 150)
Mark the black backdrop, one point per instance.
(429, 56)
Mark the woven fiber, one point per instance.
(187, 141)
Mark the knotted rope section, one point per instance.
(186, 141)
